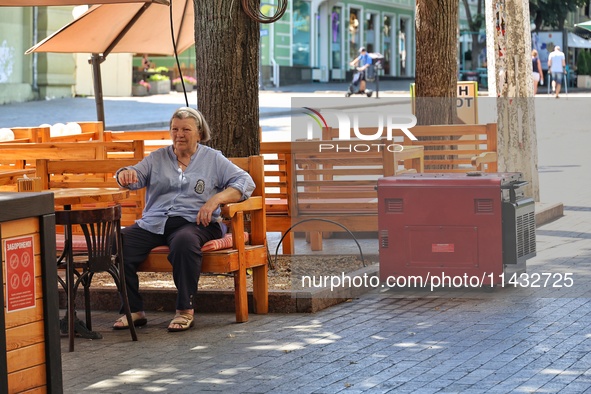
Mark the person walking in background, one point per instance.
(538, 74)
(556, 64)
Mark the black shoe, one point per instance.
(369, 93)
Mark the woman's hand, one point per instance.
(127, 177)
(205, 212)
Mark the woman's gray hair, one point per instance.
(202, 126)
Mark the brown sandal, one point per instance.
(185, 320)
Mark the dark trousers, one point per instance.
(357, 78)
(184, 240)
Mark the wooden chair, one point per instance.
(102, 253)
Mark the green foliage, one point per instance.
(551, 14)
(162, 70)
(583, 66)
(158, 77)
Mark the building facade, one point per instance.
(316, 39)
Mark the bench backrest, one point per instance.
(333, 182)
(25, 154)
(278, 185)
(448, 148)
(152, 139)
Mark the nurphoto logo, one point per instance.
(348, 125)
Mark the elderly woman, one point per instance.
(185, 184)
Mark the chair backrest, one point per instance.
(101, 228)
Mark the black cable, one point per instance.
(176, 56)
(254, 11)
(320, 220)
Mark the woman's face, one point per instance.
(184, 135)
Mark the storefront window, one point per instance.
(402, 46)
(354, 35)
(370, 34)
(387, 43)
(301, 33)
(335, 36)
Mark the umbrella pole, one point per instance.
(95, 61)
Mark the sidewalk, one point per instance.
(128, 113)
(532, 337)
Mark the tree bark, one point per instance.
(517, 140)
(227, 52)
(436, 74)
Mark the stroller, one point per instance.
(360, 78)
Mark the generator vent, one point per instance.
(484, 205)
(394, 205)
(383, 239)
(526, 234)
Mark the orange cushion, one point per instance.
(222, 243)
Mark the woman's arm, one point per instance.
(224, 197)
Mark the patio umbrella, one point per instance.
(124, 28)
(26, 3)
(583, 29)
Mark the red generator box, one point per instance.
(477, 226)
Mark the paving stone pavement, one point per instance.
(514, 339)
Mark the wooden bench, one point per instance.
(249, 214)
(447, 148)
(457, 148)
(326, 187)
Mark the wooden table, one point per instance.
(71, 196)
(413, 157)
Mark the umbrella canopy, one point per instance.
(583, 29)
(124, 28)
(26, 3)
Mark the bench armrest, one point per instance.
(250, 204)
(486, 157)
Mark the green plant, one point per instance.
(161, 70)
(158, 77)
(583, 63)
(588, 62)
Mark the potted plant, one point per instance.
(142, 88)
(190, 82)
(584, 69)
(160, 84)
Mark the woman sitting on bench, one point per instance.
(185, 183)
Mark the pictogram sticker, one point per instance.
(20, 273)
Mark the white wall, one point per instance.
(116, 74)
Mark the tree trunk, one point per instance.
(227, 48)
(517, 141)
(436, 65)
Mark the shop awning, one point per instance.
(575, 41)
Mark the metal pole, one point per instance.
(95, 61)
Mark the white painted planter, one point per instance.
(584, 81)
(160, 87)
